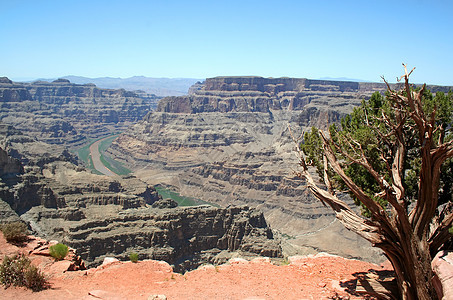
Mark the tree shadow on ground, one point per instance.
(374, 284)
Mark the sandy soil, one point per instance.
(308, 277)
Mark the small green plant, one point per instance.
(58, 251)
(18, 271)
(15, 232)
(133, 257)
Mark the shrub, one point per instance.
(133, 257)
(15, 232)
(18, 271)
(35, 279)
(58, 251)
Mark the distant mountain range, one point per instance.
(342, 79)
(157, 86)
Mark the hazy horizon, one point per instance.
(203, 39)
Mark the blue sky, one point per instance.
(356, 39)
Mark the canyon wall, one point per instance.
(184, 237)
(61, 112)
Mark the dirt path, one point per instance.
(96, 158)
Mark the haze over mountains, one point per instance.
(158, 86)
(161, 87)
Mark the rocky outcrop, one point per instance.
(183, 237)
(9, 166)
(61, 112)
(442, 265)
(7, 214)
(165, 203)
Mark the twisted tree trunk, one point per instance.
(408, 239)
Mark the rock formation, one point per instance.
(61, 112)
(184, 237)
(227, 142)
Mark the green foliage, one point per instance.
(365, 131)
(18, 271)
(15, 232)
(133, 257)
(58, 251)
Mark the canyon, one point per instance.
(228, 142)
(47, 187)
(104, 216)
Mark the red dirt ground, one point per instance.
(310, 277)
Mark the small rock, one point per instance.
(206, 267)
(237, 260)
(60, 267)
(108, 261)
(261, 260)
(157, 297)
(100, 294)
(297, 260)
(44, 251)
(335, 284)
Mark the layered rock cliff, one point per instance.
(184, 237)
(228, 142)
(38, 174)
(61, 112)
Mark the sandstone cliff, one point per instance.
(61, 112)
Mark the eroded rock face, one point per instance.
(228, 142)
(9, 166)
(39, 174)
(184, 237)
(61, 112)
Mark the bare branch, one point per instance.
(374, 207)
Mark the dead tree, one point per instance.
(408, 237)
